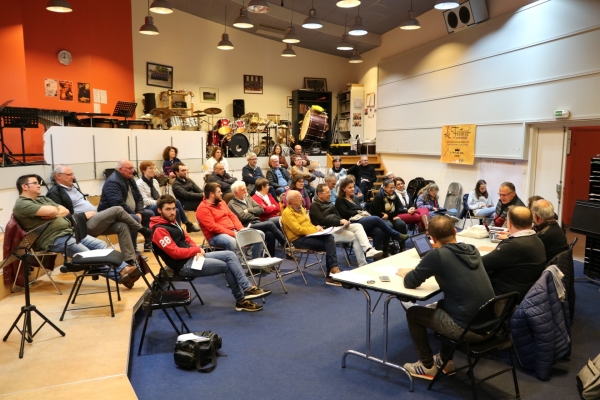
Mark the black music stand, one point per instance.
(15, 117)
(124, 109)
(22, 253)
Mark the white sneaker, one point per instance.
(418, 370)
(373, 253)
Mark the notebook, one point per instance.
(421, 243)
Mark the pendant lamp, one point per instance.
(358, 29)
(355, 59)
(312, 22)
(290, 33)
(225, 44)
(60, 6)
(288, 51)
(161, 7)
(344, 44)
(148, 28)
(348, 3)
(445, 4)
(259, 6)
(411, 23)
(243, 21)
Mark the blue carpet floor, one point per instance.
(293, 349)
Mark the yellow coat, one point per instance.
(296, 224)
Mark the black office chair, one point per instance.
(492, 321)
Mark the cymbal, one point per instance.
(213, 111)
(164, 113)
(200, 113)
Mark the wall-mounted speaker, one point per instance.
(468, 13)
(239, 108)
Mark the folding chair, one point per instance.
(89, 266)
(251, 237)
(492, 321)
(303, 252)
(345, 246)
(164, 276)
(466, 213)
(453, 197)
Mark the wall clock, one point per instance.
(65, 57)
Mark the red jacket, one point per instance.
(270, 211)
(161, 238)
(217, 219)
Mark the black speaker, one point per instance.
(149, 102)
(239, 108)
(468, 13)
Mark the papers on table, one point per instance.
(199, 263)
(327, 231)
(95, 253)
(191, 336)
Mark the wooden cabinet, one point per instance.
(302, 100)
(174, 100)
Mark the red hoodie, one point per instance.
(217, 219)
(162, 238)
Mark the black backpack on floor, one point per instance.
(201, 355)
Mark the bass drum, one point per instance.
(314, 126)
(236, 145)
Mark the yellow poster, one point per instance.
(458, 144)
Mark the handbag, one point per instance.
(588, 379)
(199, 353)
(358, 216)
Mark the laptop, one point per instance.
(422, 244)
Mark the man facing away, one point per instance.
(180, 252)
(548, 229)
(458, 269)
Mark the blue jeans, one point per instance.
(87, 243)
(377, 229)
(484, 212)
(228, 243)
(219, 262)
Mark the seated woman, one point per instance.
(299, 170)
(169, 158)
(278, 151)
(428, 198)
(337, 170)
(480, 202)
(350, 209)
(386, 205)
(358, 194)
(298, 184)
(216, 156)
(266, 201)
(408, 214)
(150, 191)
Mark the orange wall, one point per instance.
(96, 33)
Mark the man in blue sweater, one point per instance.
(458, 269)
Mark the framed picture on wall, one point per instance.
(209, 95)
(316, 84)
(290, 103)
(253, 84)
(159, 75)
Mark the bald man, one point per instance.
(120, 189)
(548, 229)
(518, 262)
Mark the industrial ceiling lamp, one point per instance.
(60, 6)
(312, 22)
(411, 22)
(243, 21)
(161, 7)
(225, 44)
(348, 3)
(290, 33)
(344, 44)
(259, 6)
(288, 51)
(148, 28)
(445, 4)
(355, 59)
(358, 29)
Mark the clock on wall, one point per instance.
(64, 57)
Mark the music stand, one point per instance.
(585, 221)
(18, 117)
(22, 253)
(124, 109)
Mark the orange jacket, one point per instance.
(217, 219)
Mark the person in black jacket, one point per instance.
(458, 269)
(548, 230)
(387, 206)
(508, 198)
(252, 172)
(185, 189)
(277, 176)
(365, 175)
(121, 190)
(518, 262)
(222, 178)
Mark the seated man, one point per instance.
(252, 172)
(331, 182)
(305, 161)
(113, 220)
(222, 178)
(508, 198)
(218, 223)
(179, 252)
(324, 213)
(32, 210)
(150, 191)
(548, 230)
(365, 175)
(278, 177)
(458, 269)
(247, 211)
(297, 226)
(518, 262)
(185, 189)
(121, 190)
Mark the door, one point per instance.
(549, 166)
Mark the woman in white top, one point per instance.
(480, 202)
(216, 156)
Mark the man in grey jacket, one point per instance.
(458, 269)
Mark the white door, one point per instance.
(549, 167)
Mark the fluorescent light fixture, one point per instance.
(348, 3)
(288, 51)
(445, 4)
(161, 7)
(60, 6)
(148, 28)
(258, 6)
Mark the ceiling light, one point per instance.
(445, 4)
(411, 22)
(355, 59)
(161, 7)
(60, 6)
(243, 21)
(148, 28)
(358, 29)
(344, 44)
(225, 44)
(290, 34)
(348, 3)
(258, 6)
(288, 51)
(312, 22)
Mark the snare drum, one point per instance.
(240, 127)
(223, 126)
(314, 126)
(237, 144)
(192, 124)
(176, 123)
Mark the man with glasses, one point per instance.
(120, 190)
(223, 179)
(279, 178)
(252, 172)
(32, 210)
(305, 161)
(185, 189)
(113, 220)
(508, 197)
(365, 175)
